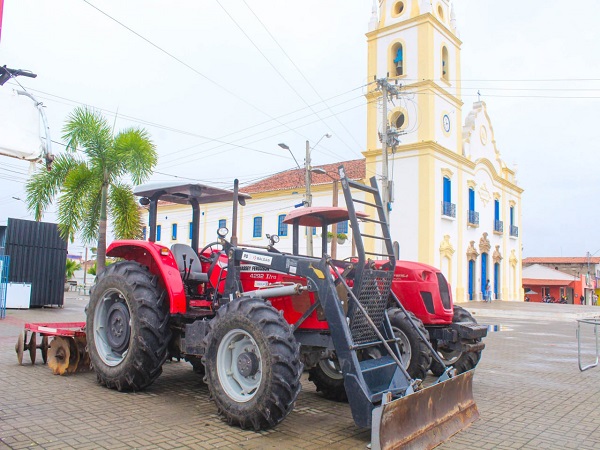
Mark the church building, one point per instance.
(455, 204)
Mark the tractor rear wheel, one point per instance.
(127, 327)
(461, 361)
(414, 353)
(329, 380)
(252, 364)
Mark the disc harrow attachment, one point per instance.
(66, 353)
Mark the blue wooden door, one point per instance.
(496, 279)
(471, 274)
(484, 276)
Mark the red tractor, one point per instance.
(252, 318)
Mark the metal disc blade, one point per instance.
(20, 347)
(44, 348)
(33, 347)
(58, 355)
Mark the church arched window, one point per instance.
(397, 9)
(398, 59)
(445, 66)
(398, 120)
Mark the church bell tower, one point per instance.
(415, 44)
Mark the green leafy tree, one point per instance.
(71, 267)
(89, 180)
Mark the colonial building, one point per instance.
(453, 203)
(580, 275)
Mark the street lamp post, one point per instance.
(307, 181)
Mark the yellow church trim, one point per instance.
(447, 173)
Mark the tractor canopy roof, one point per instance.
(182, 193)
(319, 216)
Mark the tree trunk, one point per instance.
(101, 251)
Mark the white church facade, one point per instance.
(454, 204)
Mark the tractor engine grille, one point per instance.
(373, 296)
(444, 291)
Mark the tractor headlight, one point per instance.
(222, 232)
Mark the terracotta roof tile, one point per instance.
(562, 260)
(540, 282)
(291, 179)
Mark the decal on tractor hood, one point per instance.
(260, 259)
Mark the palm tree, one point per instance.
(88, 180)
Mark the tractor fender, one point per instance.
(160, 263)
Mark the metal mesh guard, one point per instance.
(373, 296)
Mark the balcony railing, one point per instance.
(514, 231)
(498, 226)
(473, 217)
(448, 209)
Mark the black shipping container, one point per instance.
(38, 256)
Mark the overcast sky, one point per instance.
(219, 84)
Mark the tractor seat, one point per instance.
(196, 273)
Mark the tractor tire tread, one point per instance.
(149, 344)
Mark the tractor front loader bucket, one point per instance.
(426, 418)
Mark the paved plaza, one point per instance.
(528, 388)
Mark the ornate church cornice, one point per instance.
(484, 243)
(497, 257)
(472, 253)
(446, 248)
(513, 258)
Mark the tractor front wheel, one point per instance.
(329, 380)
(127, 327)
(414, 353)
(252, 364)
(461, 361)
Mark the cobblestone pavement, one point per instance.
(528, 388)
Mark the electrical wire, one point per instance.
(238, 97)
(298, 70)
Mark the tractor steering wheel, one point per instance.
(209, 247)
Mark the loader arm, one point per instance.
(381, 393)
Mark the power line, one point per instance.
(303, 76)
(253, 106)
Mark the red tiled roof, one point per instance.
(291, 179)
(540, 282)
(562, 260)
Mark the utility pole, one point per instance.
(307, 180)
(387, 138)
(385, 189)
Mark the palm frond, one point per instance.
(90, 226)
(124, 212)
(71, 210)
(87, 130)
(43, 187)
(136, 150)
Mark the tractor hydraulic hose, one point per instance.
(277, 291)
